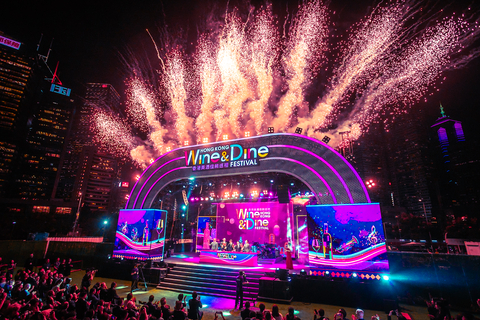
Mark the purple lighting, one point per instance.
(140, 191)
(153, 185)
(459, 131)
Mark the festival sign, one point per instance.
(224, 156)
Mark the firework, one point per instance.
(243, 75)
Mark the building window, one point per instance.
(41, 209)
(63, 210)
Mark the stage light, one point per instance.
(241, 195)
(271, 194)
(184, 207)
(327, 272)
(105, 221)
(291, 183)
(303, 272)
(271, 181)
(354, 275)
(183, 214)
(261, 194)
(191, 178)
(225, 137)
(271, 130)
(169, 149)
(247, 134)
(192, 199)
(385, 277)
(205, 140)
(185, 143)
(298, 130)
(326, 139)
(255, 182)
(201, 198)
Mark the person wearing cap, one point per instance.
(240, 280)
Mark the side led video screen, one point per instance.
(347, 237)
(140, 234)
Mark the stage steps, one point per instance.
(209, 280)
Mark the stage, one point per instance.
(190, 258)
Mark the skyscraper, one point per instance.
(16, 73)
(456, 171)
(89, 174)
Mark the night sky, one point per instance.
(89, 35)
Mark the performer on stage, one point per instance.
(134, 275)
(214, 244)
(288, 252)
(246, 247)
(238, 247)
(241, 280)
(230, 245)
(223, 245)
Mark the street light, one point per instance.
(75, 224)
(105, 223)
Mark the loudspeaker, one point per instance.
(265, 288)
(282, 290)
(283, 194)
(281, 274)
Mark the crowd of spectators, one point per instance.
(49, 294)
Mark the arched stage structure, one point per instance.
(327, 173)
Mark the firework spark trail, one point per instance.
(264, 53)
(175, 83)
(112, 133)
(306, 46)
(236, 89)
(142, 107)
(366, 55)
(391, 59)
(406, 82)
(210, 81)
(467, 51)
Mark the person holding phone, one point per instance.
(194, 306)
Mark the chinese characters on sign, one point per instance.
(10, 43)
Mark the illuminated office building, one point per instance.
(90, 174)
(16, 72)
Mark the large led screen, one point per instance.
(140, 234)
(347, 237)
(261, 222)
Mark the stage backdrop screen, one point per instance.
(347, 237)
(140, 234)
(262, 222)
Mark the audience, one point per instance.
(50, 295)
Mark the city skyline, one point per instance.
(410, 132)
(87, 43)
